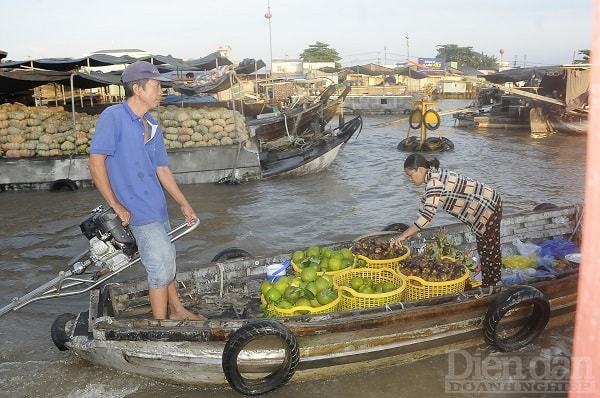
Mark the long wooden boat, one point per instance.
(254, 355)
(508, 112)
(547, 119)
(372, 104)
(295, 120)
(199, 165)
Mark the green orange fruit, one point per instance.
(272, 295)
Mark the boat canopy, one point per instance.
(520, 74)
(20, 80)
(17, 76)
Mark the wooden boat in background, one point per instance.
(496, 110)
(313, 157)
(236, 346)
(298, 118)
(199, 165)
(571, 84)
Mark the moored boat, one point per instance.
(572, 84)
(298, 117)
(380, 104)
(193, 165)
(496, 110)
(238, 347)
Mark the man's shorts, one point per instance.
(156, 252)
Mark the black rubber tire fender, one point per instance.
(63, 183)
(399, 227)
(427, 119)
(415, 119)
(246, 334)
(230, 253)
(507, 300)
(402, 145)
(58, 330)
(447, 145)
(409, 144)
(545, 206)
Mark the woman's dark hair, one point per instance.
(416, 160)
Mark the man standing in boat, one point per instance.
(128, 163)
(473, 202)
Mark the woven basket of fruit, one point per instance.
(308, 293)
(378, 252)
(273, 310)
(369, 287)
(324, 260)
(431, 276)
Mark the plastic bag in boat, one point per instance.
(557, 248)
(525, 249)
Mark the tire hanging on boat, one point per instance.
(399, 227)
(447, 145)
(58, 330)
(230, 253)
(415, 119)
(431, 119)
(63, 183)
(545, 206)
(510, 299)
(248, 333)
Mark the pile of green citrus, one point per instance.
(369, 286)
(306, 290)
(323, 259)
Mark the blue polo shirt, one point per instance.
(131, 163)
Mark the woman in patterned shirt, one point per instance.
(471, 201)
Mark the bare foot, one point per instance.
(186, 314)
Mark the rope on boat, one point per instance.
(287, 130)
(222, 278)
(578, 222)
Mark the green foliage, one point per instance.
(439, 245)
(465, 56)
(320, 52)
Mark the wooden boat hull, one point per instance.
(197, 165)
(312, 159)
(380, 104)
(332, 346)
(509, 112)
(542, 121)
(296, 121)
(117, 331)
(189, 165)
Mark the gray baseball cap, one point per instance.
(142, 70)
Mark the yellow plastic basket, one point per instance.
(351, 299)
(274, 311)
(418, 288)
(390, 263)
(298, 270)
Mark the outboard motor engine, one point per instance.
(112, 245)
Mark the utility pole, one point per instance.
(268, 16)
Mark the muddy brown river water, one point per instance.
(363, 191)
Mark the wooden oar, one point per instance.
(405, 119)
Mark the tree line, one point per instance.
(463, 56)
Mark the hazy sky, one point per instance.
(531, 32)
